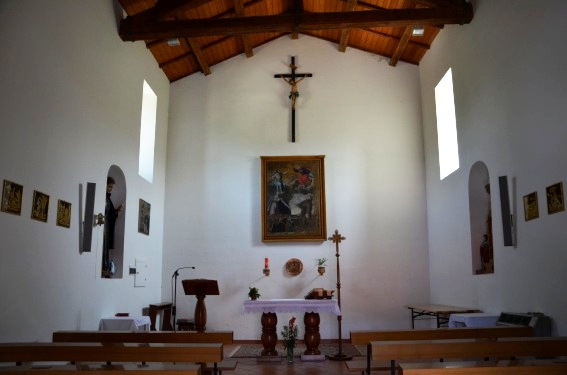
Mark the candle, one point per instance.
(266, 265)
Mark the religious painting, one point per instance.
(293, 198)
(531, 210)
(144, 217)
(12, 195)
(63, 214)
(40, 206)
(555, 202)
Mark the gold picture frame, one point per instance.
(40, 206)
(12, 195)
(144, 217)
(63, 214)
(531, 209)
(293, 198)
(555, 201)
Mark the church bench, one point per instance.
(364, 337)
(165, 337)
(186, 369)
(459, 349)
(111, 352)
(485, 368)
(170, 337)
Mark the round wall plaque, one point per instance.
(294, 266)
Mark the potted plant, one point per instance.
(321, 265)
(253, 293)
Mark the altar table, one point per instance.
(440, 312)
(125, 323)
(310, 308)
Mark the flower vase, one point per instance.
(289, 355)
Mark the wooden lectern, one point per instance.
(200, 288)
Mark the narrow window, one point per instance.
(446, 126)
(147, 133)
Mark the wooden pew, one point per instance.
(485, 368)
(191, 369)
(166, 337)
(98, 352)
(364, 337)
(459, 349)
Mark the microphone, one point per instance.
(176, 273)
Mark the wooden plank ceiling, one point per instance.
(211, 31)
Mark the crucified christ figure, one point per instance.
(293, 94)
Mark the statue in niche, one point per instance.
(110, 214)
(486, 247)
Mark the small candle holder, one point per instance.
(266, 271)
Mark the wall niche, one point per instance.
(480, 220)
(114, 224)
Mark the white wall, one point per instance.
(509, 69)
(70, 108)
(359, 112)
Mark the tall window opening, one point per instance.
(446, 126)
(147, 133)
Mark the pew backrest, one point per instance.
(458, 349)
(98, 352)
(364, 337)
(179, 337)
(483, 368)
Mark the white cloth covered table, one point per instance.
(475, 320)
(125, 323)
(292, 306)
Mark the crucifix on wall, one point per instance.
(293, 79)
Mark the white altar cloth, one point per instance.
(292, 306)
(125, 323)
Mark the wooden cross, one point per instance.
(293, 81)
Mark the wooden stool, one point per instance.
(185, 325)
(165, 308)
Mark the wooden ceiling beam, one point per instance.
(199, 56)
(345, 33)
(402, 44)
(245, 39)
(131, 30)
(166, 8)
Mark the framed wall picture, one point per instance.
(293, 198)
(12, 195)
(144, 217)
(531, 209)
(555, 201)
(40, 206)
(63, 214)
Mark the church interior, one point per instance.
(276, 151)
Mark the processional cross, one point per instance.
(293, 81)
(337, 238)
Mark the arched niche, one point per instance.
(113, 250)
(480, 219)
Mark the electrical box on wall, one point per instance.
(141, 273)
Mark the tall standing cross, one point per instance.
(293, 81)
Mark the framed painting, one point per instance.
(63, 214)
(531, 209)
(144, 217)
(293, 198)
(12, 195)
(555, 201)
(40, 206)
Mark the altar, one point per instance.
(310, 308)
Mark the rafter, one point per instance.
(131, 30)
(245, 39)
(345, 33)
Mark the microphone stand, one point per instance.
(174, 307)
